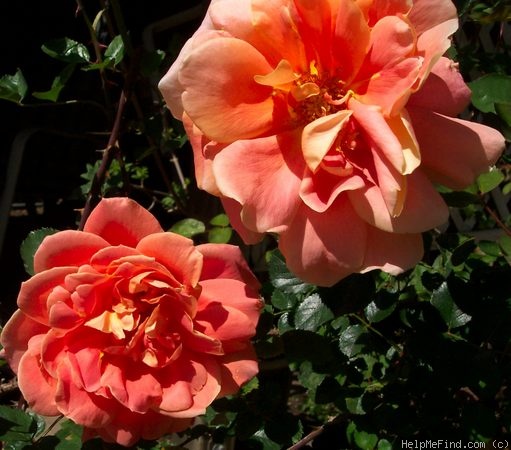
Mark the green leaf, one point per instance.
(380, 308)
(16, 425)
(282, 278)
(442, 300)
(505, 244)
(31, 244)
(462, 252)
(13, 87)
(115, 50)
(490, 180)
(365, 440)
(504, 112)
(301, 345)
(490, 248)
(490, 89)
(67, 50)
(220, 235)
(282, 300)
(383, 444)
(349, 340)
(58, 84)
(221, 220)
(267, 444)
(312, 313)
(188, 227)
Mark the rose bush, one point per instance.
(130, 331)
(329, 122)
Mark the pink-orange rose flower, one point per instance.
(329, 122)
(131, 331)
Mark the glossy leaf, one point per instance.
(188, 227)
(451, 314)
(312, 313)
(67, 50)
(489, 90)
(13, 87)
(31, 244)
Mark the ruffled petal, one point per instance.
(67, 248)
(231, 293)
(426, 14)
(319, 136)
(224, 101)
(121, 221)
(444, 91)
(237, 369)
(454, 151)
(264, 176)
(322, 248)
(34, 293)
(423, 209)
(392, 252)
(39, 391)
(176, 253)
(233, 210)
(226, 261)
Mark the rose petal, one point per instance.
(322, 248)
(454, 151)
(67, 248)
(33, 295)
(176, 253)
(264, 176)
(392, 252)
(121, 221)
(15, 336)
(423, 208)
(225, 102)
(39, 390)
(226, 261)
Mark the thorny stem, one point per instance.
(97, 48)
(315, 433)
(108, 155)
(496, 218)
(375, 331)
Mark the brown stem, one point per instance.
(108, 155)
(315, 433)
(496, 218)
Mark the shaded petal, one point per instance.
(237, 369)
(34, 292)
(423, 209)
(233, 210)
(455, 151)
(67, 248)
(38, 390)
(378, 132)
(127, 427)
(263, 175)
(226, 261)
(204, 151)
(444, 91)
(322, 248)
(275, 23)
(205, 393)
(319, 136)
(234, 294)
(318, 191)
(176, 253)
(224, 101)
(15, 336)
(392, 86)
(392, 40)
(120, 220)
(426, 14)
(378, 9)
(392, 252)
(80, 406)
